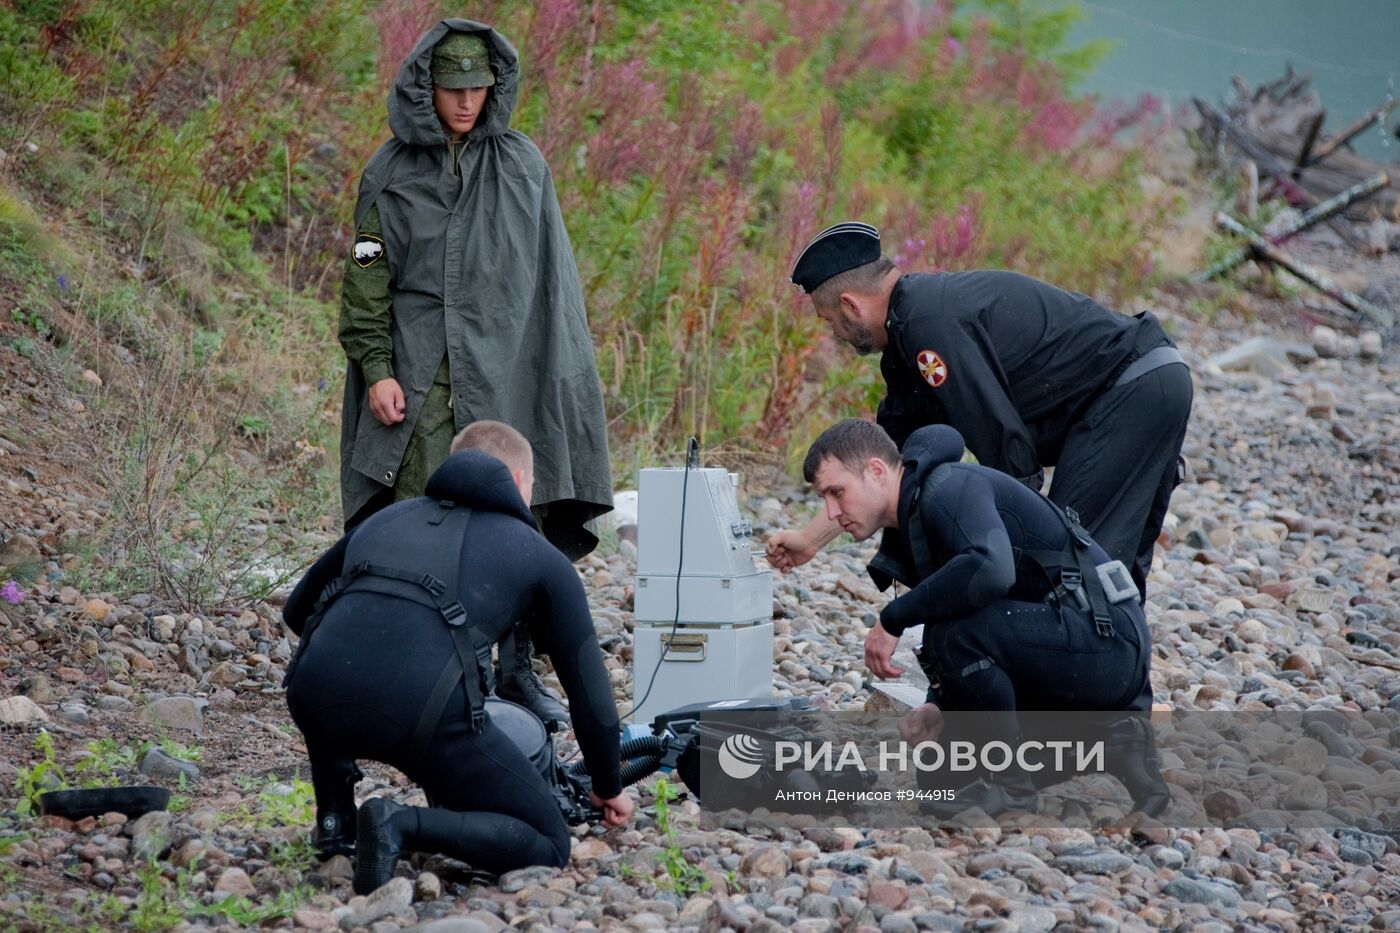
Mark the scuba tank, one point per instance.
(525, 730)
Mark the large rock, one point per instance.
(179, 712)
(1263, 356)
(16, 711)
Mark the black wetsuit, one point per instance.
(361, 683)
(992, 641)
(1027, 374)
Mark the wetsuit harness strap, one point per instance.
(470, 663)
(919, 548)
(1080, 580)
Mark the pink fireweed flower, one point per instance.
(12, 593)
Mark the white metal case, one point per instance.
(723, 641)
(702, 663)
(719, 583)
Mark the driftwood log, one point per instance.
(1313, 216)
(1280, 126)
(1265, 250)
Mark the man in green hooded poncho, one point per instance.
(461, 300)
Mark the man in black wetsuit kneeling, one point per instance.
(397, 622)
(1021, 609)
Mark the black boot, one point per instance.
(1008, 792)
(518, 682)
(491, 843)
(1133, 760)
(381, 829)
(334, 833)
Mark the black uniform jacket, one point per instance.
(976, 521)
(508, 572)
(1007, 360)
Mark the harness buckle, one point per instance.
(431, 583)
(1072, 585)
(454, 613)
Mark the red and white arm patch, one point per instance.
(932, 368)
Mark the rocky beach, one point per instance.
(1277, 587)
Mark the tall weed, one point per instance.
(696, 148)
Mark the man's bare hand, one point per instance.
(789, 549)
(386, 401)
(921, 724)
(617, 811)
(879, 649)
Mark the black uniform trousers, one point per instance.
(1013, 655)
(508, 816)
(1119, 464)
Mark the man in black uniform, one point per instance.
(1021, 609)
(1030, 375)
(397, 623)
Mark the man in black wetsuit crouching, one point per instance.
(397, 622)
(1021, 609)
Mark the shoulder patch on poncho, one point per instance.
(367, 250)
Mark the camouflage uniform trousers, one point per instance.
(431, 439)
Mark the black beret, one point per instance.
(835, 250)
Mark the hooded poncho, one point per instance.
(480, 271)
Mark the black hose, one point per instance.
(643, 745)
(633, 770)
(641, 757)
(638, 768)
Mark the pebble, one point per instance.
(235, 882)
(37, 688)
(163, 767)
(452, 925)
(1103, 862)
(151, 834)
(519, 880)
(765, 862)
(394, 897)
(1196, 891)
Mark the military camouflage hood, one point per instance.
(412, 118)
(481, 271)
